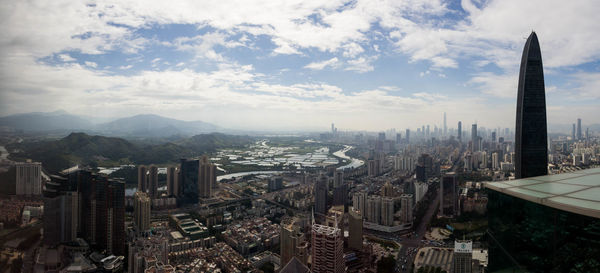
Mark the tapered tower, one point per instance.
(531, 137)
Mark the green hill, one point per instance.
(83, 149)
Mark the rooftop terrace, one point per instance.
(577, 192)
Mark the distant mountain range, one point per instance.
(89, 150)
(135, 126)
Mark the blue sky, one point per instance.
(297, 64)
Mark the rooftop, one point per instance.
(577, 192)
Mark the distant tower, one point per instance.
(206, 178)
(153, 182)
(332, 128)
(459, 131)
(573, 133)
(445, 128)
(407, 136)
(142, 179)
(172, 179)
(474, 139)
(531, 134)
(579, 136)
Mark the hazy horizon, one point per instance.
(364, 65)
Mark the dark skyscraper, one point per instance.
(321, 195)
(188, 182)
(579, 136)
(460, 131)
(110, 215)
(531, 134)
(142, 179)
(153, 182)
(407, 136)
(573, 133)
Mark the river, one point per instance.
(354, 162)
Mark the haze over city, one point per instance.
(282, 65)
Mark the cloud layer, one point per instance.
(296, 64)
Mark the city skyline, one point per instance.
(363, 65)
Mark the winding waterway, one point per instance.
(354, 162)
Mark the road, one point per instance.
(414, 241)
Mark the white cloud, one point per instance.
(66, 58)
(362, 64)
(91, 64)
(333, 62)
(125, 67)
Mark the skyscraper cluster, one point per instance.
(87, 205)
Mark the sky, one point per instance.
(298, 64)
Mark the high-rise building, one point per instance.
(321, 195)
(141, 211)
(579, 135)
(387, 211)
(172, 181)
(445, 128)
(373, 209)
(340, 195)
(495, 161)
(420, 190)
(327, 249)
(338, 178)
(85, 182)
(207, 177)
(359, 202)
(398, 138)
(110, 215)
(61, 215)
(29, 178)
(153, 182)
(531, 134)
(474, 138)
(407, 136)
(459, 131)
(463, 256)
(406, 208)
(447, 195)
(275, 183)
(292, 242)
(142, 179)
(355, 229)
(188, 182)
(573, 132)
